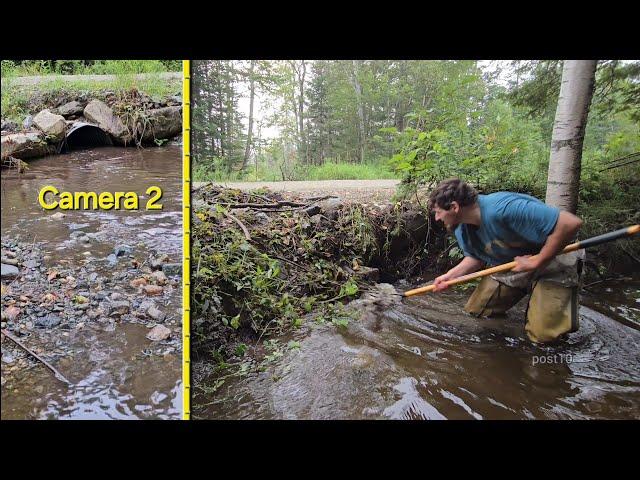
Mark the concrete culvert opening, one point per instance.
(84, 135)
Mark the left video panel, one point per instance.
(92, 239)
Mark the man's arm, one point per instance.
(467, 265)
(565, 230)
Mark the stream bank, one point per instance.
(61, 120)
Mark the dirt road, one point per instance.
(365, 191)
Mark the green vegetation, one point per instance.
(327, 171)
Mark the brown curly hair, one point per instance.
(452, 190)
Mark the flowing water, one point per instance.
(424, 358)
(114, 370)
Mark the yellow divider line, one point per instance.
(186, 240)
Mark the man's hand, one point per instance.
(467, 265)
(526, 263)
(439, 282)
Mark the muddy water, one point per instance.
(114, 370)
(423, 358)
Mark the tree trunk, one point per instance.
(358, 88)
(563, 181)
(247, 150)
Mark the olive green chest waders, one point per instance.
(553, 307)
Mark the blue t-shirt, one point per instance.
(512, 224)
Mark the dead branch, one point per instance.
(57, 374)
(244, 229)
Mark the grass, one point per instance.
(328, 171)
(77, 67)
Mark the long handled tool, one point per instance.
(590, 242)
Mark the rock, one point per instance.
(112, 259)
(25, 145)
(368, 273)
(119, 308)
(158, 333)
(156, 263)
(163, 123)
(99, 113)
(138, 282)
(172, 269)
(152, 290)
(156, 313)
(121, 250)
(8, 126)
(48, 321)
(312, 210)
(9, 272)
(58, 216)
(10, 261)
(174, 100)
(159, 277)
(116, 296)
(11, 313)
(28, 122)
(71, 108)
(52, 125)
(8, 358)
(158, 397)
(330, 207)
(31, 264)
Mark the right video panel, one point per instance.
(327, 193)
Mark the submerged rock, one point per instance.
(121, 250)
(170, 269)
(48, 321)
(158, 333)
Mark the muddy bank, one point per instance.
(61, 121)
(96, 294)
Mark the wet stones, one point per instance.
(159, 277)
(172, 269)
(158, 333)
(48, 321)
(10, 261)
(157, 262)
(152, 289)
(155, 313)
(121, 250)
(118, 308)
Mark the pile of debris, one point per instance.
(263, 262)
